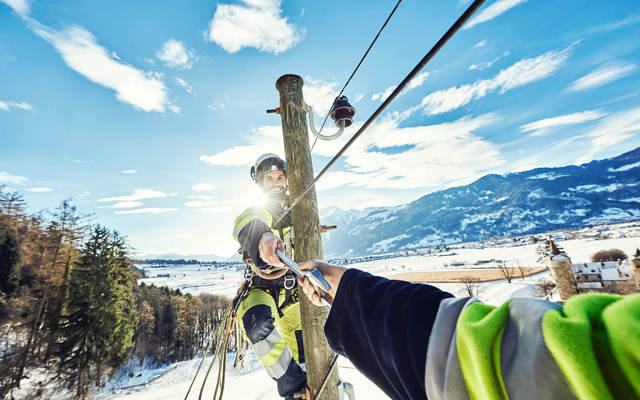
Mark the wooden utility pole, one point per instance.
(307, 242)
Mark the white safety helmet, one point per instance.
(266, 163)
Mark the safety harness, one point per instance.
(272, 287)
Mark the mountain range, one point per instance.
(534, 201)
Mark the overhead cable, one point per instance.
(434, 50)
(357, 66)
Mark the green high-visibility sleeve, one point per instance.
(595, 340)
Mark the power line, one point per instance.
(434, 50)
(357, 66)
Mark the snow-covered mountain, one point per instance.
(539, 200)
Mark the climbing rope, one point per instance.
(220, 354)
(213, 336)
(356, 68)
(223, 333)
(434, 50)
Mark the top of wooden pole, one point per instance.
(292, 78)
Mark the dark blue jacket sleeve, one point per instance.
(382, 326)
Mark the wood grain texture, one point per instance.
(307, 241)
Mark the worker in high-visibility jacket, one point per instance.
(270, 311)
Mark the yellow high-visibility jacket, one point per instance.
(254, 222)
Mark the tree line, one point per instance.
(70, 303)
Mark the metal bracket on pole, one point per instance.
(312, 126)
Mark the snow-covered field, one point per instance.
(252, 382)
(198, 279)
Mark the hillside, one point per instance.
(534, 201)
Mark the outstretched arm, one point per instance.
(382, 326)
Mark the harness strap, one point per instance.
(273, 288)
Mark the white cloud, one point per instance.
(7, 178)
(220, 104)
(208, 206)
(8, 105)
(319, 94)
(217, 105)
(612, 26)
(127, 204)
(265, 139)
(481, 43)
(139, 194)
(146, 211)
(40, 190)
(203, 187)
(253, 23)
(431, 156)
(417, 81)
(388, 156)
(21, 7)
(81, 52)
(184, 84)
(129, 171)
(359, 97)
(542, 126)
(612, 130)
(487, 64)
(492, 11)
(381, 96)
(521, 73)
(174, 54)
(603, 75)
(483, 65)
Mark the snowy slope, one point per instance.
(250, 382)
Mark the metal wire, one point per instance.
(357, 66)
(325, 380)
(434, 50)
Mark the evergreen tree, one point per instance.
(9, 263)
(101, 314)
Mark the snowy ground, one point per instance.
(252, 382)
(249, 382)
(195, 279)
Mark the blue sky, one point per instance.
(149, 114)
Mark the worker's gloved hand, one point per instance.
(267, 248)
(332, 273)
